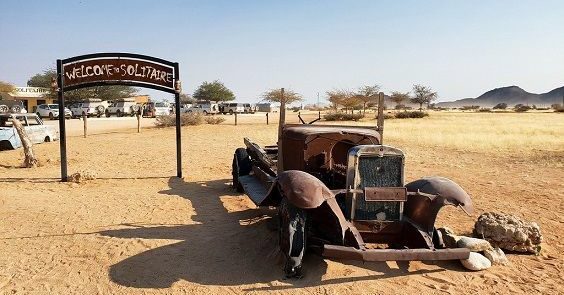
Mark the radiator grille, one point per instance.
(378, 172)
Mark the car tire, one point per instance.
(47, 139)
(231, 112)
(118, 113)
(4, 108)
(107, 114)
(292, 237)
(51, 117)
(205, 113)
(241, 166)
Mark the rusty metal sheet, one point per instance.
(343, 252)
(377, 194)
(118, 69)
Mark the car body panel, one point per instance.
(34, 127)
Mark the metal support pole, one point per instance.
(178, 129)
(62, 126)
(281, 122)
(381, 116)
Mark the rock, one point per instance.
(476, 262)
(449, 238)
(509, 232)
(496, 256)
(82, 176)
(474, 244)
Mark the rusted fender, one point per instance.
(305, 191)
(428, 195)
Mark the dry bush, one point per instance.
(338, 116)
(214, 120)
(413, 114)
(185, 120)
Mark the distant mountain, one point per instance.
(510, 95)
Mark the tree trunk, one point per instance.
(30, 159)
(420, 106)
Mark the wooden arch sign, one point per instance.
(116, 69)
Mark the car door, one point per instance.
(35, 129)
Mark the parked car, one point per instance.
(33, 125)
(206, 108)
(123, 107)
(51, 111)
(91, 107)
(249, 108)
(12, 106)
(231, 108)
(153, 109)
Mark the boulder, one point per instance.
(476, 262)
(496, 256)
(509, 232)
(474, 244)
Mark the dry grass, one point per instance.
(483, 132)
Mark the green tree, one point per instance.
(399, 97)
(110, 92)
(367, 94)
(336, 97)
(423, 94)
(274, 95)
(6, 87)
(500, 106)
(214, 91)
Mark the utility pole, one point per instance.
(317, 99)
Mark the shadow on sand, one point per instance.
(222, 248)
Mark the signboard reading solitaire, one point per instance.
(118, 69)
(102, 69)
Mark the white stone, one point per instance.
(496, 256)
(474, 244)
(476, 262)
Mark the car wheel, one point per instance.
(38, 114)
(292, 237)
(4, 109)
(205, 113)
(241, 166)
(51, 117)
(231, 112)
(118, 113)
(47, 139)
(108, 114)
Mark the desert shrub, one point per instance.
(485, 110)
(413, 114)
(214, 120)
(468, 108)
(500, 106)
(521, 108)
(185, 120)
(338, 116)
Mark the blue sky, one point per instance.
(459, 48)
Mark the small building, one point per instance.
(30, 96)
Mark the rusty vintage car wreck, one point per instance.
(340, 191)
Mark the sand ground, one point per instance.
(136, 229)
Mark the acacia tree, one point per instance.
(186, 98)
(6, 87)
(336, 97)
(367, 94)
(274, 95)
(110, 92)
(213, 91)
(423, 94)
(399, 97)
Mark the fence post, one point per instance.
(84, 119)
(266, 118)
(235, 118)
(138, 122)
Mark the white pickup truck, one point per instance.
(122, 108)
(90, 108)
(203, 108)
